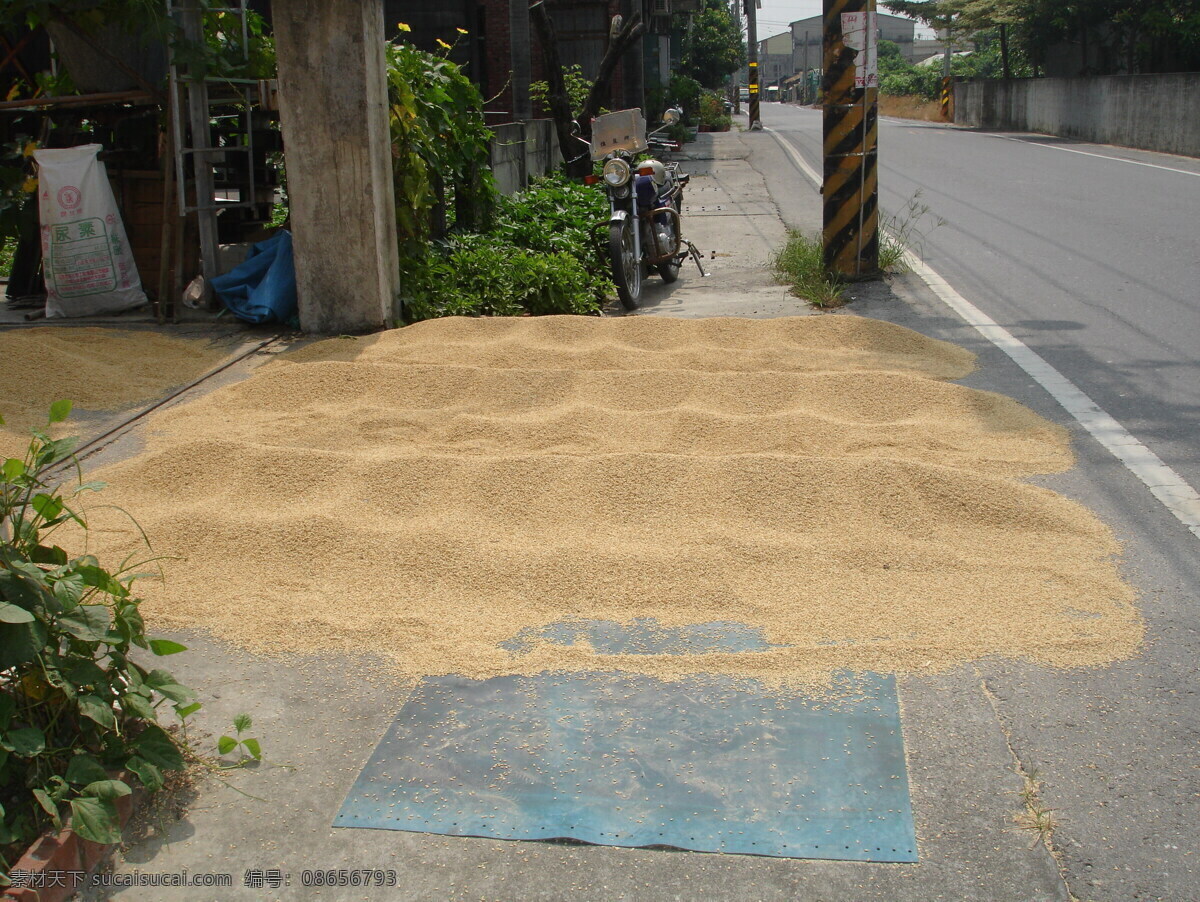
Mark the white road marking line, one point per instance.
(1172, 491)
(1102, 156)
(1164, 483)
(800, 162)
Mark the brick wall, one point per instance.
(497, 60)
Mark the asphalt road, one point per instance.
(1085, 253)
(1088, 254)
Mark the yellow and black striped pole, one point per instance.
(752, 48)
(755, 117)
(947, 90)
(851, 128)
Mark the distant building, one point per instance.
(775, 59)
(808, 36)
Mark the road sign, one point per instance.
(858, 33)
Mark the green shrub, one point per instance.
(440, 145)
(577, 85)
(684, 93)
(712, 112)
(75, 709)
(8, 251)
(554, 215)
(917, 81)
(544, 253)
(480, 275)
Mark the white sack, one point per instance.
(86, 256)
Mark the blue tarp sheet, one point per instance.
(704, 763)
(263, 288)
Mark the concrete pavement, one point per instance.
(974, 736)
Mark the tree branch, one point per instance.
(556, 94)
(629, 32)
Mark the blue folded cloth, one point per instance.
(262, 289)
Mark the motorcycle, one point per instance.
(645, 200)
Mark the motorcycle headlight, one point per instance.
(616, 173)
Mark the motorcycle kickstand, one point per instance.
(695, 255)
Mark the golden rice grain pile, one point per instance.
(97, 369)
(427, 494)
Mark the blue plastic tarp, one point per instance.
(707, 763)
(262, 289)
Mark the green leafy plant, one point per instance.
(684, 92)
(464, 249)
(557, 215)
(479, 275)
(577, 84)
(79, 716)
(712, 113)
(543, 254)
(801, 264)
(8, 253)
(440, 146)
(249, 746)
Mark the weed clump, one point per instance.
(801, 264)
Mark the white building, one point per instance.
(808, 39)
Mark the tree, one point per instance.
(557, 95)
(934, 13)
(714, 48)
(1112, 36)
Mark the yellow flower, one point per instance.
(29, 185)
(403, 27)
(461, 30)
(442, 43)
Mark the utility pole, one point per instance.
(804, 97)
(752, 47)
(850, 238)
(947, 81)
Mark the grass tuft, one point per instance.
(903, 231)
(1036, 817)
(800, 263)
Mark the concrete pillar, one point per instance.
(333, 109)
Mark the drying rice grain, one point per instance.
(97, 369)
(429, 493)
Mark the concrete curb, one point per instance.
(56, 866)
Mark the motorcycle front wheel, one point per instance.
(626, 267)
